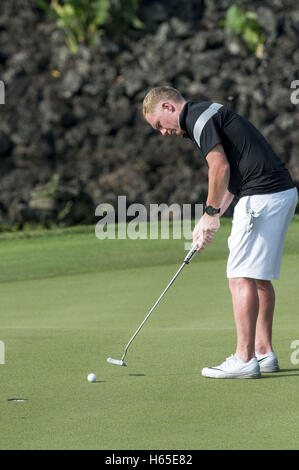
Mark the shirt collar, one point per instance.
(182, 120)
(182, 116)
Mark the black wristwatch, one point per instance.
(211, 210)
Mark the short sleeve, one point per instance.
(207, 130)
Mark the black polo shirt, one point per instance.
(254, 166)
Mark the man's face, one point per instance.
(165, 119)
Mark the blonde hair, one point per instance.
(158, 94)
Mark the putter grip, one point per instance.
(191, 253)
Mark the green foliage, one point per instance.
(123, 15)
(79, 18)
(246, 25)
(83, 20)
(52, 186)
(65, 211)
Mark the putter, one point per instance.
(188, 258)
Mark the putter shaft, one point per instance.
(151, 310)
(186, 261)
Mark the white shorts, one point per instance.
(260, 223)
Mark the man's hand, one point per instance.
(205, 230)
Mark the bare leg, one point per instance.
(263, 335)
(246, 306)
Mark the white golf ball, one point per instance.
(91, 377)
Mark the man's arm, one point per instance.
(226, 202)
(219, 174)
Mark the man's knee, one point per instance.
(241, 282)
(262, 284)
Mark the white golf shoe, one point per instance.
(268, 362)
(234, 368)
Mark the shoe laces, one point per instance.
(229, 360)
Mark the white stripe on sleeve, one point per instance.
(203, 119)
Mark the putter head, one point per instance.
(117, 362)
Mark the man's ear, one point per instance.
(168, 106)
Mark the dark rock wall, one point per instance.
(72, 133)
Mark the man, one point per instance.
(240, 163)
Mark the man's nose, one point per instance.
(163, 131)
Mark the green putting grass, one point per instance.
(70, 301)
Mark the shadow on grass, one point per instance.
(136, 375)
(274, 375)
